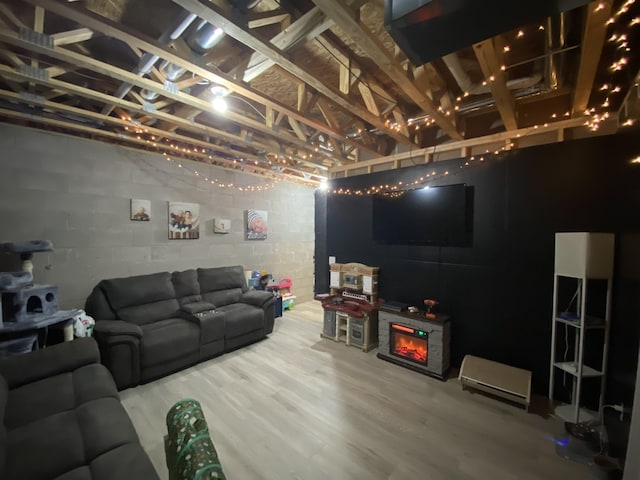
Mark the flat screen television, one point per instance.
(427, 216)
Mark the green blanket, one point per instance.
(189, 449)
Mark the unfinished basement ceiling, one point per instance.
(310, 87)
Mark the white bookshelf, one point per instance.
(580, 257)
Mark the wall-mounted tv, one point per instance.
(427, 216)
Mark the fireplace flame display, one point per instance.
(409, 343)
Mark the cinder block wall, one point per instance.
(77, 194)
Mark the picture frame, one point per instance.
(184, 221)
(140, 210)
(221, 225)
(257, 226)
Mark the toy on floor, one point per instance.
(284, 288)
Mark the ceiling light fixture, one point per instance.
(218, 102)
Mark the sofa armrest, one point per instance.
(119, 343)
(258, 298)
(116, 327)
(61, 358)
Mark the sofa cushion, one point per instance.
(186, 286)
(58, 393)
(138, 290)
(221, 298)
(241, 318)
(167, 340)
(150, 312)
(67, 440)
(221, 278)
(211, 327)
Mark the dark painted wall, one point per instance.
(499, 290)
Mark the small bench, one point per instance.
(497, 379)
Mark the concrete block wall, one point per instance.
(77, 194)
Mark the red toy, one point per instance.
(430, 304)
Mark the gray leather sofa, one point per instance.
(148, 326)
(62, 419)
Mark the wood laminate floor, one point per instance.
(295, 406)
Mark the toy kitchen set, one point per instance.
(351, 307)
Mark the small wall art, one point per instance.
(184, 221)
(221, 225)
(256, 225)
(140, 210)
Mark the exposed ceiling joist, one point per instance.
(490, 60)
(127, 124)
(463, 145)
(262, 19)
(344, 17)
(595, 31)
(133, 38)
(306, 28)
(126, 76)
(72, 36)
(212, 14)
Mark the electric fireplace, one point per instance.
(415, 341)
(409, 343)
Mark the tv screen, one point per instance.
(428, 216)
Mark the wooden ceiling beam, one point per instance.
(345, 18)
(593, 40)
(328, 115)
(346, 57)
(298, 129)
(368, 98)
(70, 88)
(490, 60)
(8, 14)
(307, 27)
(464, 145)
(126, 76)
(72, 36)
(119, 122)
(262, 19)
(134, 38)
(221, 162)
(401, 121)
(102, 98)
(213, 14)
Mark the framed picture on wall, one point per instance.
(184, 221)
(221, 225)
(140, 210)
(256, 224)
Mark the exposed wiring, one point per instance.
(249, 103)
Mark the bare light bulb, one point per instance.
(219, 104)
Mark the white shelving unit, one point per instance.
(581, 257)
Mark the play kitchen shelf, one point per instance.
(351, 307)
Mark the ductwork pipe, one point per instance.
(556, 33)
(452, 61)
(206, 36)
(148, 60)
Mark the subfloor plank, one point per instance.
(298, 407)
